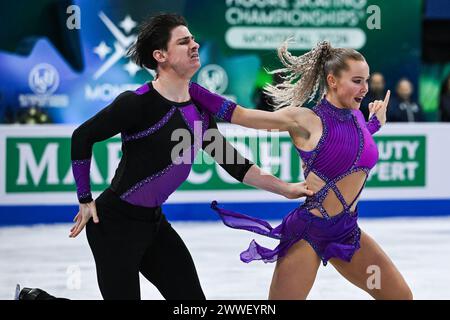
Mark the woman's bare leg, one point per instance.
(373, 271)
(295, 273)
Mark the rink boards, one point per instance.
(36, 183)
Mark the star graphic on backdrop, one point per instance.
(131, 68)
(102, 50)
(128, 24)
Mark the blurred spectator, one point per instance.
(444, 101)
(376, 92)
(402, 108)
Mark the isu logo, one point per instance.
(214, 78)
(43, 79)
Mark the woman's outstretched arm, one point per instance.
(295, 118)
(284, 119)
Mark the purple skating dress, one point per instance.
(346, 147)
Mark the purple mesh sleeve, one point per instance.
(211, 102)
(373, 125)
(80, 170)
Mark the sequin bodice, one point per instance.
(346, 146)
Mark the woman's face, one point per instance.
(350, 87)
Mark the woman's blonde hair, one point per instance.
(304, 77)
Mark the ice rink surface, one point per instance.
(44, 256)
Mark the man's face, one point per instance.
(182, 53)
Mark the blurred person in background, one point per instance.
(377, 91)
(403, 108)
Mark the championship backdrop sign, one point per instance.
(238, 41)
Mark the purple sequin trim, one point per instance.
(81, 162)
(152, 129)
(340, 113)
(186, 120)
(147, 180)
(80, 170)
(316, 150)
(316, 201)
(226, 110)
(205, 121)
(361, 140)
(199, 141)
(84, 195)
(373, 125)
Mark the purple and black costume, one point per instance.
(345, 147)
(133, 234)
(147, 174)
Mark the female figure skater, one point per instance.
(336, 146)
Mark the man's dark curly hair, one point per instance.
(154, 34)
